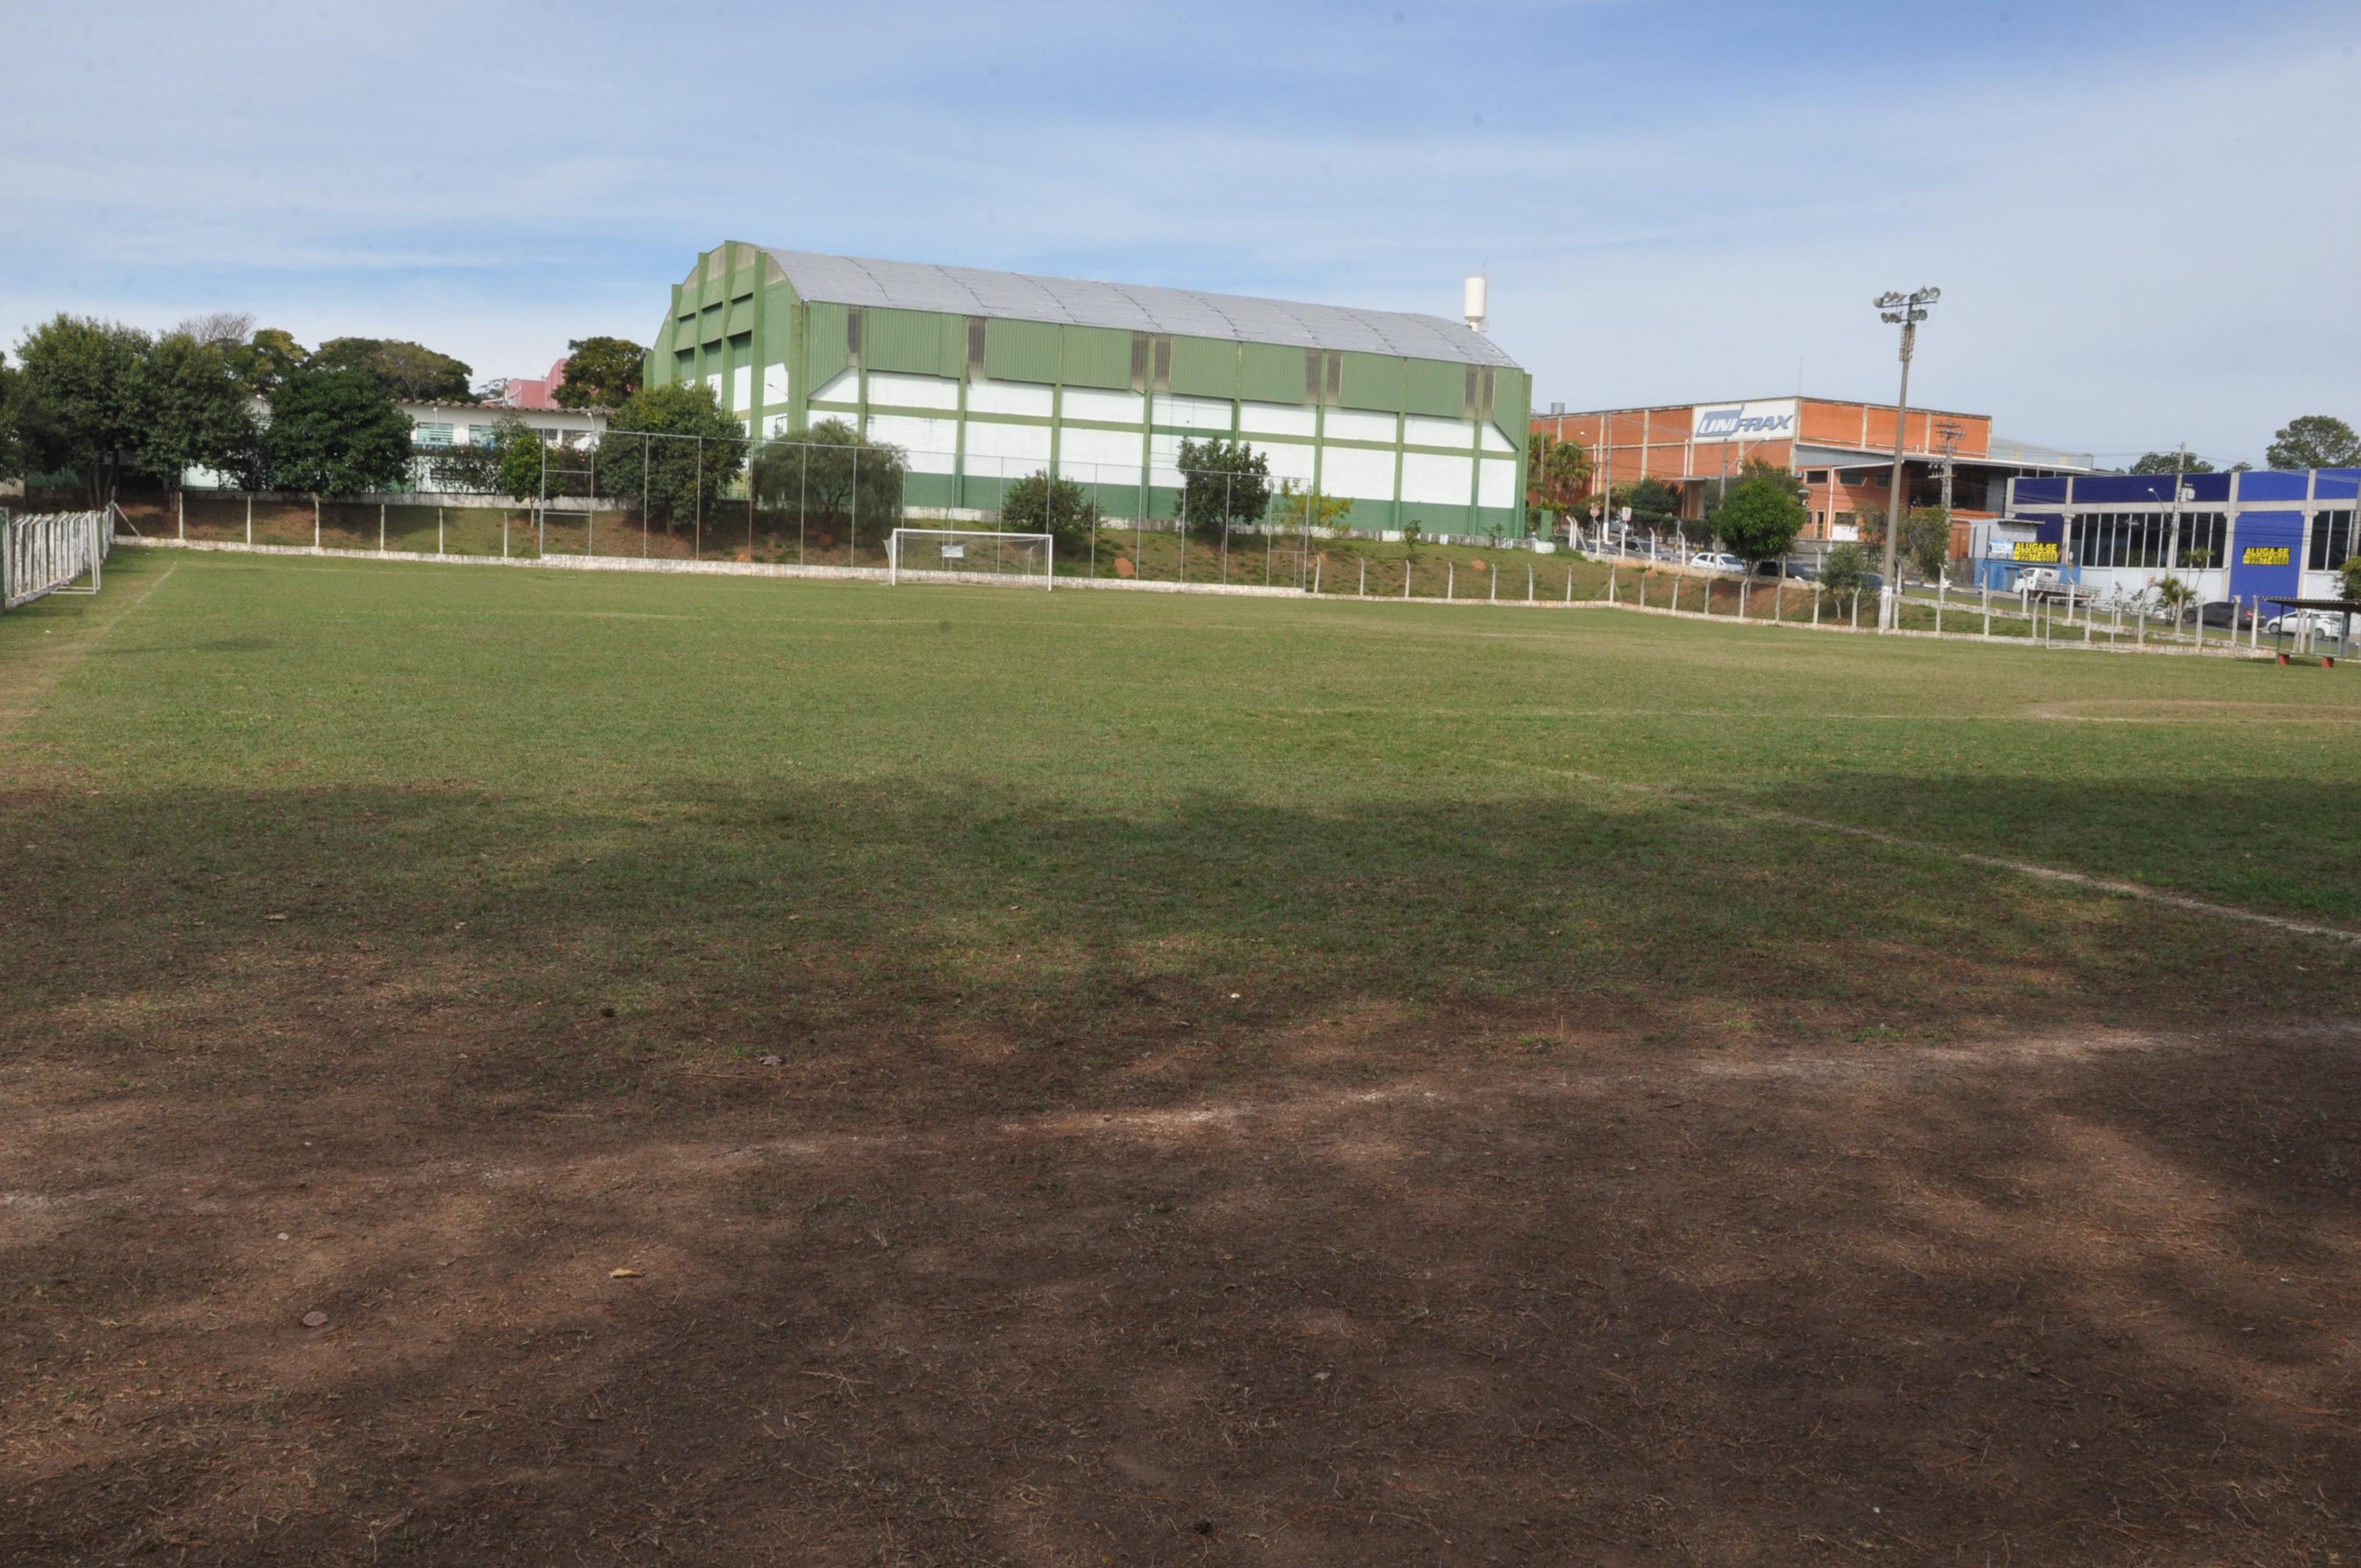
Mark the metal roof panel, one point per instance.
(1074, 301)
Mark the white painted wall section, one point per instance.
(1356, 472)
(741, 388)
(1497, 485)
(1425, 430)
(774, 384)
(930, 444)
(1106, 457)
(1193, 413)
(1005, 451)
(844, 387)
(1009, 398)
(897, 390)
(1359, 424)
(1108, 408)
(1429, 480)
(1275, 419)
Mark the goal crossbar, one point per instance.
(971, 555)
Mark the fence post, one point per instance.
(315, 520)
(249, 518)
(1450, 581)
(1364, 577)
(1529, 582)
(380, 528)
(182, 499)
(438, 528)
(1405, 578)
(1610, 585)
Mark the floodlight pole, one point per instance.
(1905, 310)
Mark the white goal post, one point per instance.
(52, 554)
(971, 555)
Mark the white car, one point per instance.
(1716, 561)
(2292, 622)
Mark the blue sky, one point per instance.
(2145, 219)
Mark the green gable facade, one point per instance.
(982, 377)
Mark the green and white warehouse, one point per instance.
(982, 377)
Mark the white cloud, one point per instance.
(2137, 242)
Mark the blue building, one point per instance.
(2260, 534)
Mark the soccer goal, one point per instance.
(52, 554)
(970, 555)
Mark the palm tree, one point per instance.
(1557, 473)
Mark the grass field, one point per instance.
(1087, 1078)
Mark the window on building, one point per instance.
(975, 348)
(431, 434)
(1491, 386)
(1163, 364)
(855, 317)
(2331, 540)
(1333, 377)
(1817, 477)
(1139, 362)
(1468, 404)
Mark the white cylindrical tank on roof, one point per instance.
(1474, 302)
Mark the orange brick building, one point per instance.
(1842, 452)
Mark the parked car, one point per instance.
(2294, 622)
(1716, 561)
(2220, 612)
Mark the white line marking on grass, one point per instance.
(1964, 857)
(47, 664)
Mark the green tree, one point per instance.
(519, 459)
(1413, 535)
(1869, 519)
(1557, 473)
(1844, 570)
(267, 359)
(199, 413)
(1654, 504)
(336, 433)
(600, 373)
(1926, 541)
(84, 399)
(835, 477)
(2314, 441)
(2170, 462)
(408, 371)
(2348, 578)
(2174, 596)
(1307, 506)
(12, 434)
(1059, 507)
(1225, 484)
(671, 449)
(1760, 516)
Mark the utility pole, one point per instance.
(2179, 478)
(1905, 310)
(1949, 432)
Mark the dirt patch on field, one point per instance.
(2069, 1297)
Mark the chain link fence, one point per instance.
(805, 502)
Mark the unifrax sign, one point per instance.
(1773, 421)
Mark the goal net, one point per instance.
(970, 555)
